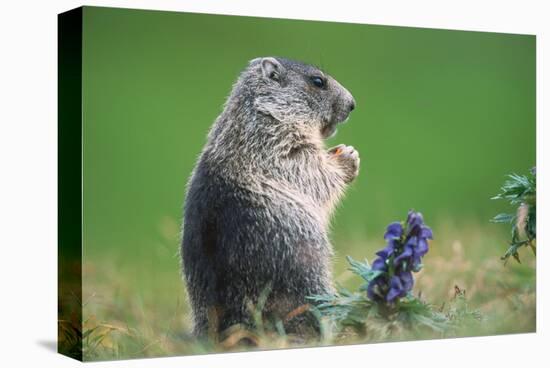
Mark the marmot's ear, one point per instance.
(271, 68)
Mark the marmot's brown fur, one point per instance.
(260, 198)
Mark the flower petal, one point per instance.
(421, 248)
(426, 232)
(414, 219)
(379, 264)
(393, 231)
(407, 280)
(373, 290)
(396, 289)
(388, 250)
(407, 253)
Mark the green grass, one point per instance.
(136, 307)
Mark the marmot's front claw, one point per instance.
(348, 159)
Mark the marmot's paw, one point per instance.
(348, 159)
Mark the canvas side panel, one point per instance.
(70, 183)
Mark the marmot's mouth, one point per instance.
(329, 129)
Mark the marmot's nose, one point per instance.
(352, 105)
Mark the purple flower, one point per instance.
(406, 254)
(414, 220)
(400, 285)
(388, 250)
(416, 243)
(394, 231)
(375, 289)
(405, 247)
(379, 264)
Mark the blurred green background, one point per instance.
(442, 116)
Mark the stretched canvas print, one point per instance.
(235, 183)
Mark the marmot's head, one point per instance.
(297, 93)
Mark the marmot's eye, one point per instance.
(318, 82)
